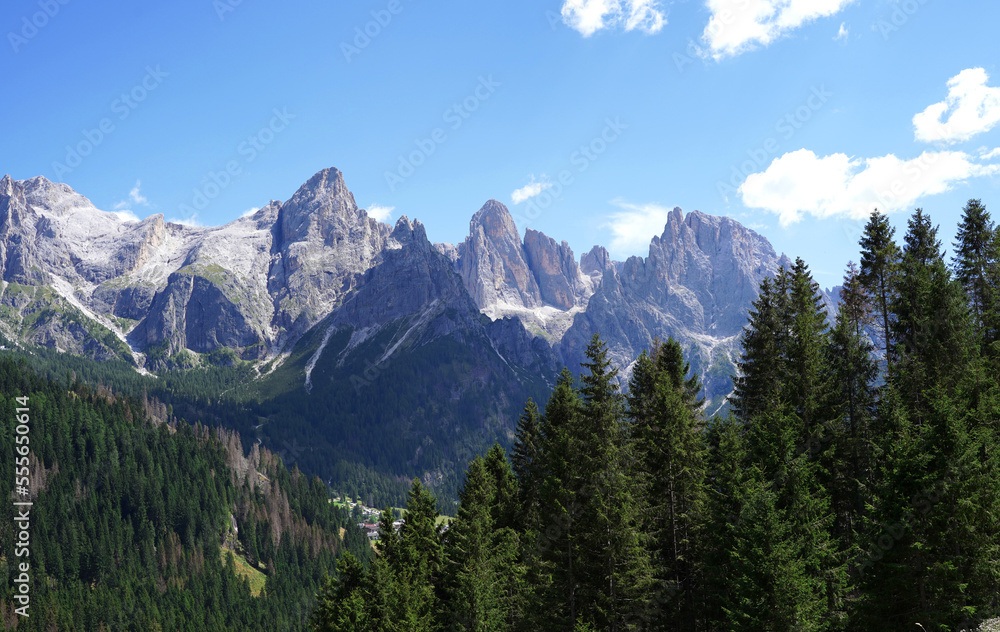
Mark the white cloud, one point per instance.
(186, 221)
(380, 213)
(800, 183)
(590, 16)
(843, 33)
(737, 26)
(250, 211)
(126, 215)
(986, 154)
(971, 108)
(529, 191)
(135, 196)
(634, 226)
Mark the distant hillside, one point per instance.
(132, 514)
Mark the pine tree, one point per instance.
(879, 263)
(758, 384)
(483, 577)
(525, 463)
(504, 506)
(853, 373)
(404, 575)
(808, 384)
(932, 325)
(553, 547)
(615, 574)
(341, 603)
(670, 469)
(976, 268)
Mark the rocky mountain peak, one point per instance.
(408, 233)
(595, 262)
(492, 261)
(496, 222)
(323, 207)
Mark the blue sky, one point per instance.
(794, 116)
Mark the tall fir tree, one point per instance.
(482, 575)
(341, 605)
(616, 574)
(853, 373)
(525, 462)
(757, 386)
(977, 268)
(879, 268)
(670, 469)
(553, 548)
(932, 327)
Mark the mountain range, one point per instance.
(327, 303)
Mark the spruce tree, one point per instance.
(669, 467)
(853, 373)
(553, 548)
(809, 387)
(615, 573)
(932, 325)
(482, 576)
(879, 263)
(757, 387)
(976, 268)
(525, 461)
(341, 603)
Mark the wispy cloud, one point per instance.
(738, 26)
(843, 33)
(634, 226)
(380, 213)
(986, 154)
(250, 211)
(530, 190)
(135, 198)
(971, 108)
(801, 183)
(590, 16)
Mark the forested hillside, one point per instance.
(134, 519)
(852, 488)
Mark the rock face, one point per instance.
(556, 272)
(261, 282)
(493, 262)
(537, 281)
(696, 285)
(255, 285)
(323, 244)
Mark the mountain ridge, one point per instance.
(316, 270)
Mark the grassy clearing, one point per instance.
(243, 569)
